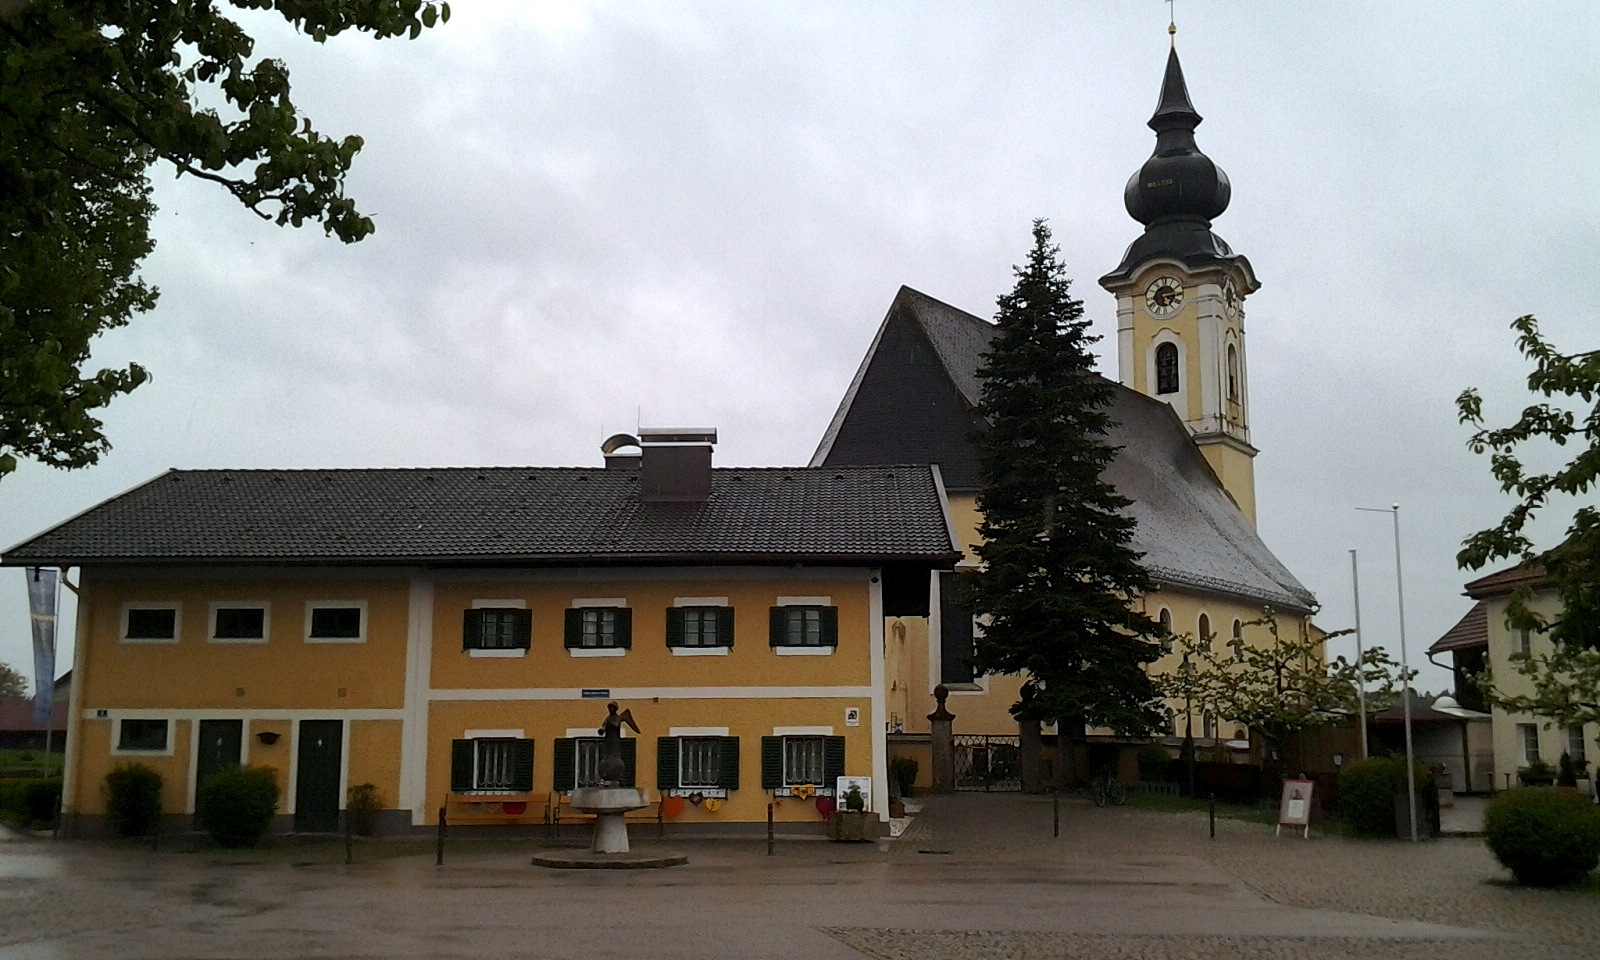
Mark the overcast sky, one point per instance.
(592, 215)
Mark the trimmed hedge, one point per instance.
(236, 806)
(133, 800)
(1367, 792)
(30, 801)
(1546, 838)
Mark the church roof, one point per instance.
(915, 398)
(508, 515)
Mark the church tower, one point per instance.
(1180, 294)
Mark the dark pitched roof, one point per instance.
(510, 515)
(1505, 581)
(1190, 531)
(1470, 632)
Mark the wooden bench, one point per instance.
(562, 811)
(497, 808)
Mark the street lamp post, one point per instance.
(1361, 689)
(1405, 668)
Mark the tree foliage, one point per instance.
(1573, 567)
(93, 94)
(1277, 687)
(1058, 572)
(13, 685)
(1564, 685)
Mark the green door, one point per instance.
(220, 748)
(316, 783)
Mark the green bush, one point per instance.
(133, 800)
(1567, 772)
(903, 772)
(236, 806)
(1366, 794)
(1154, 761)
(362, 807)
(30, 801)
(1546, 838)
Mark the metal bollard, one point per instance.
(1055, 803)
(349, 840)
(769, 828)
(438, 855)
(1212, 808)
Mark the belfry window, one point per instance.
(1233, 374)
(1167, 368)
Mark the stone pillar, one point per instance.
(1030, 755)
(944, 750)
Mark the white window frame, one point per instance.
(582, 603)
(800, 650)
(498, 653)
(1529, 733)
(1577, 746)
(264, 606)
(314, 605)
(177, 620)
(116, 738)
(707, 789)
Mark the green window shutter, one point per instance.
(832, 760)
(830, 626)
(630, 761)
(775, 630)
(564, 765)
(574, 628)
(624, 627)
(460, 765)
(771, 761)
(471, 629)
(522, 766)
(728, 777)
(522, 629)
(666, 763)
(674, 628)
(725, 626)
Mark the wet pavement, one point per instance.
(973, 877)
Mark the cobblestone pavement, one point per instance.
(974, 878)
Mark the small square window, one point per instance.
(144, 736)
(498, 628)
(239, 622)
(702, 627)
(599, 628)
(805, 626)
(150, 623)
(336, 622)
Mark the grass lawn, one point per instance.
(1225, 811)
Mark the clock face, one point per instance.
(1230, 297)
(1163, 297)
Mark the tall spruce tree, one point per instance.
(1058, 571)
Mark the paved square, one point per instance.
(976, 877)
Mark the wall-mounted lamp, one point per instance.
(268, 737)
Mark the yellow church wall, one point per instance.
(965, 517)
(283, 671)
(749, 719)
(1236, 470)
(649, 662)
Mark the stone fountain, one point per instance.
(610, 802)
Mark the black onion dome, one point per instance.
(1178, 180)
(1177, 193)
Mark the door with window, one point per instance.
(318, 762)
(219, 747)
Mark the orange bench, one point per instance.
(497, 808)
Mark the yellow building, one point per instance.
(1521, 739)
(1180, 418)
(452, 636)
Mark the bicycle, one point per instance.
(1106, 788)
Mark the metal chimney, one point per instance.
(675, 464)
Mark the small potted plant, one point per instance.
(1567, 774)
(854, 823)
(1536, 774)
